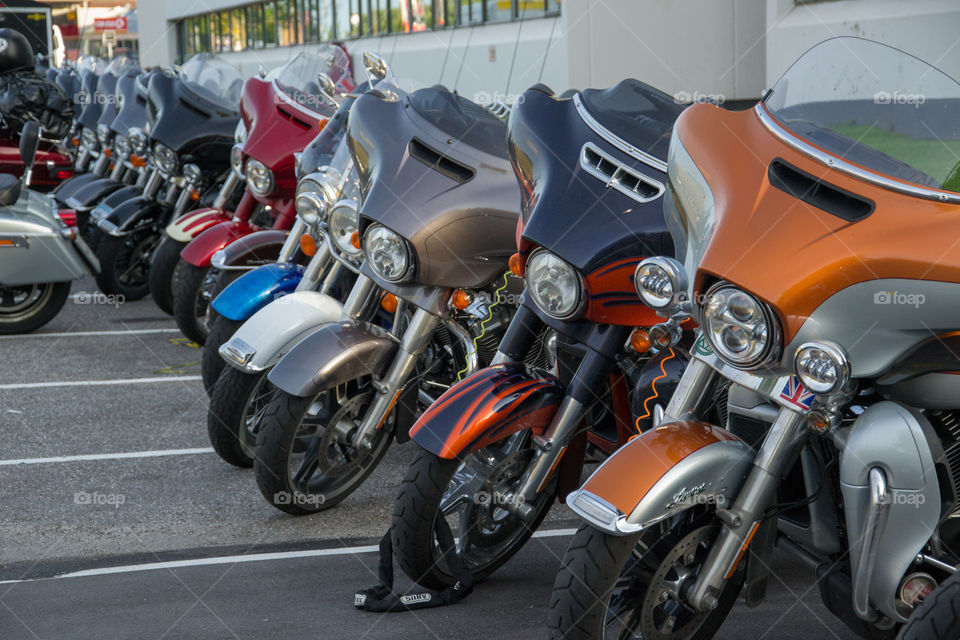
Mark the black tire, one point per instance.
(414, 516)
(232, 437)
(125, 263)
(162, 268)
(193, 292)
(92, 236)
(277, 442)
(211, 364)
(938, 616)
(29, 307)
(595, 563)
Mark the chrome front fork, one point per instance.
(226, 191)
(415, 340)
(118, 168)
(82, 159)
(292, 241)
(315, 269)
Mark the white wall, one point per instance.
(158, 38)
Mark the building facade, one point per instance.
(717, 49)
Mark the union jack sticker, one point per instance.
(796, 394)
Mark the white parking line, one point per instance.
(108, 456)
(76, 334)
(96, 383)
(254, 557)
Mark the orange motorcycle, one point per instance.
(817, 249)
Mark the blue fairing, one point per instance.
(255, 289)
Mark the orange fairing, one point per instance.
(486, 407)
(792, 254)
(612, 297)
(636, 467)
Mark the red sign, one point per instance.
(110, 24)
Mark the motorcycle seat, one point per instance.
(9, 189)
(464, 121)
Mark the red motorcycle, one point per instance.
(281, 114)
(50, 168)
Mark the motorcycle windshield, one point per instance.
(210, 78)
(875, 107)
(635, 112)
(297, 79)
(463, 120)
(132, 112)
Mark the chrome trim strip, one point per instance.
(616, 141)
(842, 165)
(615, 180)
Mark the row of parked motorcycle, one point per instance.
(747, 319)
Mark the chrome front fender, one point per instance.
(276, 328)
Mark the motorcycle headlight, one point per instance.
(236, 159)
(103, 133)
(192, 173)
(259, 177)
(822, 366)
(343, 222)
(166, 158)
(122, 145)
(89, 138)
(742, 330)
(661, 283)
(554, 285)
(387, 252)
(310, 204)
(138, 140)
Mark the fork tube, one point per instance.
(332, 275)
(523, 329)
(315, 269)
(692, 391)
(292, 240)
(118, 169)
(359, 297)
(415, 340)
(226, 190)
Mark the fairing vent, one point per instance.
(435, 160)
(294, 119)
(613, 172)
(817, 193)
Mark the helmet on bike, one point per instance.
(15, 51)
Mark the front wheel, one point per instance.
(237, 404)
(938, 616)
(633, 586)
(473, 496)
(125, 263)
(211, 363)
(305, 458)
(24, 308)
(192, 294)
(162, 272)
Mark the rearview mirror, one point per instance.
(376, 66)
(327, 85)
(29, 140)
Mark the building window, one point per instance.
(290, 22)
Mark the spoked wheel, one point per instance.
(473, 496)
(238, 402)
(27, 307)
(623, 587)
(125, 263)
(305, 460)
(193, 292)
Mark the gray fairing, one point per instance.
(456, 203)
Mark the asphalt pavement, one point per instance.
(118, 521)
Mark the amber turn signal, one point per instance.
(194, 195)
(75, 141)
(515, 265)
(138, 161)
(355, 239)
(640, 341)
(389, 302)
(308, 245)
(107, 152)
(460, 299)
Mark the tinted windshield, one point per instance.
(874, 106)
(213, 79)
(298, 78)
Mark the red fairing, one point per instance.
(487, 407)
(199, 251)
(44, 175)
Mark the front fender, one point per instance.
(334, 354)
(126, 216)
(190, 225)
(276, 328)
(71, 185)
(199, 251)
(488, 406)
(255, 289)
(660, 473)
(88, 195)
(253, 250)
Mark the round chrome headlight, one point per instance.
(138, 140)
(554, 285)
(387, 253)
(259, 177)
(103, 133)
(822, 366)
(165, 157)
(310, 207)
(236, 159)
(343, 222)
(192, 173)
(122, 145)
(741, 330)
(660, 282)
(89, 138)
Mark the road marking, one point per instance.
(96, 383)
(254, 557)
(74, 334)
(108, 456)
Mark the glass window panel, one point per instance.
(238, 29)
(530, 8)
(553, 6)
(499, 10)
(269, 24)
(471, 12)
(313, 18)
(342, 8)
(396, 16)
(379, 16)
(326, 25)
